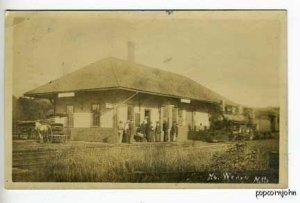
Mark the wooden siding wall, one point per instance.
(187, 115)
(93, 134)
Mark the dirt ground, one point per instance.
(32, 145)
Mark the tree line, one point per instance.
(27, 109)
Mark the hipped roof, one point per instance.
(113, 73)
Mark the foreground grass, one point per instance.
(154, 163)
(125, 164)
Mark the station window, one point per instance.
(95, 115)
(70, 118)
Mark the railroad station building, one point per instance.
(96, 97)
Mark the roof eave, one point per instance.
(39, 95)
(168, 95)
(54, 93)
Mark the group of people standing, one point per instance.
(125, 131)
(170, 133)
(147, 132)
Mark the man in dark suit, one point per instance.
(165, 129)
(130, 131)
(174, 131)
(157, 132)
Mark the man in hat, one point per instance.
(174, 131)
(130, 131)
(165, 129)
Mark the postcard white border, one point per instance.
(169, 195)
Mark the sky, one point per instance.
(236, 54)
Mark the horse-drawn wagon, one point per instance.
(26, 129)
(42, 131)
(58, 134)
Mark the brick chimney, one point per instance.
(131, 50)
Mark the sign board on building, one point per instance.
(188, 101)
(66, 94)
(109, 105)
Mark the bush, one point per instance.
(235, 159)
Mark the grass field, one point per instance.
(145, 162)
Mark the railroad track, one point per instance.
(29, 160)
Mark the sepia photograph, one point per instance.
(146, 99)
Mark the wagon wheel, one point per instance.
(32, 132)
(19, 134)
(51, 138)
(37, 137)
